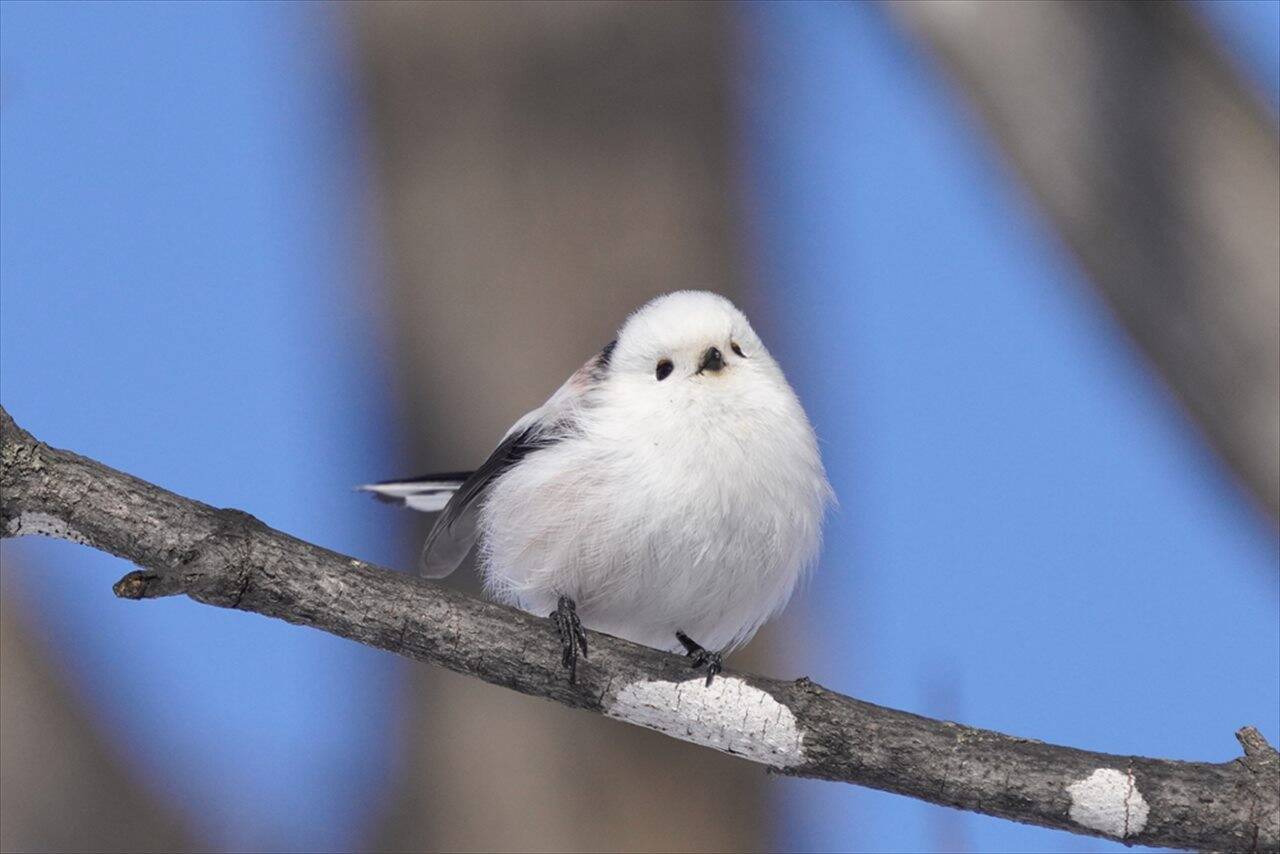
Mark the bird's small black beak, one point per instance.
(712, 360)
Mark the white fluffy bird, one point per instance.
(670, 492)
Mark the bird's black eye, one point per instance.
(733, 345)
(664, 369)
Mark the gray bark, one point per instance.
(230, 559)
(1161, 172)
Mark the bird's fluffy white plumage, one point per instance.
(691, 503)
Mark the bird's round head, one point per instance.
(691, 342)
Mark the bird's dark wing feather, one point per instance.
(454, 532)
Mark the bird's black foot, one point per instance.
(699, 656)
(573, 637)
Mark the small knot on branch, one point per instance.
(134, 585)
(146, 584)
(215, 569)
(1255, 745)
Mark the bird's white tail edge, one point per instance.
(424, 495)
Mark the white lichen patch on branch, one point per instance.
(729, 715)
(43, 525)
(1108, 800)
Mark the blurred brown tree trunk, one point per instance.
(61, 788)
(543, 169)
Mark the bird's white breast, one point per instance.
(699, 518)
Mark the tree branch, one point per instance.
(230, 559)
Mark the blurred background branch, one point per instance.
(1161, 170)
(229, 559)
(60, 782)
